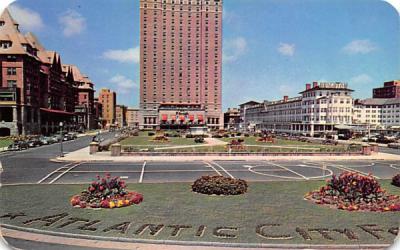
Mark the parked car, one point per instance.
(14, 147)
(45, 140)
(72, 135)
(18, 145)
(55, 138)
(35, 142)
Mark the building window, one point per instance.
(11, 71)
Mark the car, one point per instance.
(72, 135)
(44, 140)
(14, 147)
(55, 138)
(34, 143)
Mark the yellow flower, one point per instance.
(120, 203)
(111, 204)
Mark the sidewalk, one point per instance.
(83, 155)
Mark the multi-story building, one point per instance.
(390, 89)
(98, 113)
(108, 100)
(120, 116)
(35, 94)
(84, 107)
(180, 63)
(318, 110)
(232, 119)
(380, 113)
(132, 117)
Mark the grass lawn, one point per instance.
(5, 142)
(143, 140)
(280, 205)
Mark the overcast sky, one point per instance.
(271, 47)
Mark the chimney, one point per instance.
(315, 84)
(285, 98)
(308, 86)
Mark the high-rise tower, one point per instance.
(180, 63)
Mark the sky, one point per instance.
(271, 48)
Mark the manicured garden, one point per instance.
(273, 212)
(173, 142)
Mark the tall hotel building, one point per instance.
(180, 63)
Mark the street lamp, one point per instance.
(61, 142)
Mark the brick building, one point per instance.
(180, 63)
(36, 92)
(98, 113)
(390, 89)
(120, 116)
(132, 117)
(84, 96)
(108, 100)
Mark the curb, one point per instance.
(184, 243)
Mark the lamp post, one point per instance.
(61, 142)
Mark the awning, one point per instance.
(164, 117)
(200, 117)
(182, 117)
(54, 111)
(191, 117)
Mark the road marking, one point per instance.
(142, 173)
(351, 170)
(209, 165)
(250, 168)
(58, 169)
(63, 173)
(294, 172)
(223, 169)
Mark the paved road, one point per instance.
(389, 150)
(29, 166)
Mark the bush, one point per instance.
(151, 133)
(396, 180)
(199, 139)
(219, 185)
(246, 135)
(189, 136)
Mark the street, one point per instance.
(30, 165)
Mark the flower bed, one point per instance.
(106, 193)
(219, 185)
(396, 180)
(355, 192)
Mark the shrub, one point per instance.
(189, 136)
(199, 139)
(246, 135)
(219, 185)
(151, 133)
(396, 180)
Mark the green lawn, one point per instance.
(144, 140)
(279, 205)
(5, 142)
